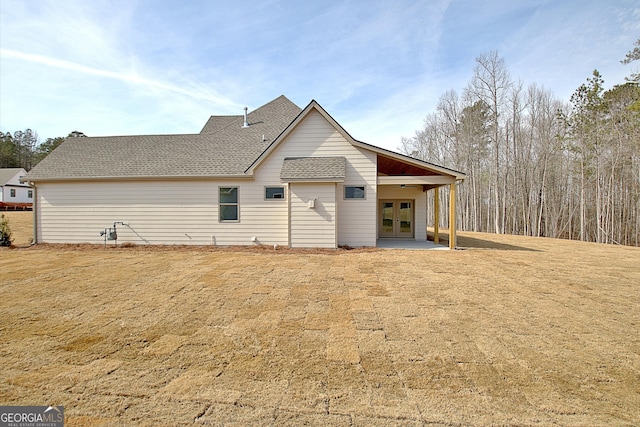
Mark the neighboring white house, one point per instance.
(279, 175)
(12, 191)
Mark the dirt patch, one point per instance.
(511, 331)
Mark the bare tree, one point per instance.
(490, 84)
(536, 165)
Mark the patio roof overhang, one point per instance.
(430, 181)
(393, 164)
(397, 170)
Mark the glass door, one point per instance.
(387, 219)
(396, 218)
(405, 219)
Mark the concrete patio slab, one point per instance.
(410, 244)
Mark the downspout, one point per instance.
(336, 225)
(289, 214)
(35, 214)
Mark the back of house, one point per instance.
(279, 175)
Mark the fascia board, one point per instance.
(143, 178)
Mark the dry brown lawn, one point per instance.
(21, 224)
(511, 331)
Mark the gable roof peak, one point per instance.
(275, 110)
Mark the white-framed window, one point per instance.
(274, 193)
(354, 192)
(30, 194)
(229, 208)
(12, 192)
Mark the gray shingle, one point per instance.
(223, 148)
(7, 173)
(217, 123)
(313, 168)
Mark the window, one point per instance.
(30, 194)
(354, 192)
(228, 204)
(271, 193)
(12, 192)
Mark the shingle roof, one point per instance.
(223, 148)
(7, 173)
(313, 169)
(216, 123)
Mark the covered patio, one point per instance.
(403, 183)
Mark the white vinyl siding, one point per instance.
(315, 136)
(157, 212)
(187, 212)
(313, 226)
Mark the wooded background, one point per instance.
(536, 165)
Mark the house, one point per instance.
(13, 193)
(280, 175)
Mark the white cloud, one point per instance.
(143, 66)
(133, 78)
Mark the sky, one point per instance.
(130, 67)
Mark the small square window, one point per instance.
(271, 193)
(354, 192)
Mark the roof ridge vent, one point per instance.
(246, 122)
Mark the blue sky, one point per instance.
(126, 67)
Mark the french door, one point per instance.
(396, 218)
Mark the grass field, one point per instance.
(510, 331)
(21, 224)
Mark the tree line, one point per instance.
(23, 149)
(537, 165)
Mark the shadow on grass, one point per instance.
(466, 242)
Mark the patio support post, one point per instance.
(436, 215)
(452, 216)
